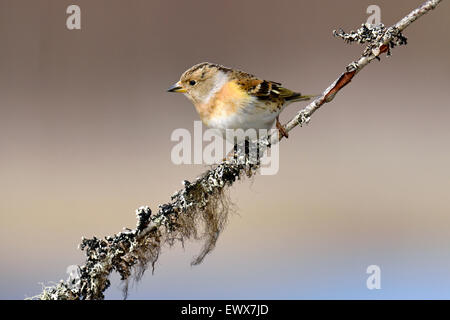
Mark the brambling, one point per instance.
(232, 99)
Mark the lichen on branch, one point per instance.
(373, 35)
(200, 209)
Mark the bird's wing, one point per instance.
(263, 89)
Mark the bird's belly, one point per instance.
(244, 120)
(233, 108)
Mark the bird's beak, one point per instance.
(176, 88)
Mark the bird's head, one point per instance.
(200, 82)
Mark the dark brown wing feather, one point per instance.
(264, 89)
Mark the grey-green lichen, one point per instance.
(198, 211)
(374, 35)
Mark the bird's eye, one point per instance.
(192, 82)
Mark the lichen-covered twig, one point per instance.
(379, 40)
(200, 209)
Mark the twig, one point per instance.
(200, 209)
(380, 42)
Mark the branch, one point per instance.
(200, 209)
(380, 41)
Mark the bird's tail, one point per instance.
(300, 97)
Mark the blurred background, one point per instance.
(85, 125)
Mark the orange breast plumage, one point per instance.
(231, 107)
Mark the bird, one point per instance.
(227, 98)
